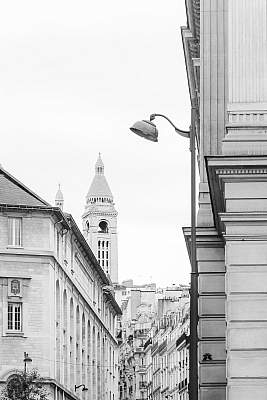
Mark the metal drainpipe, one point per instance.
(193, 348)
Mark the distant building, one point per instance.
(149, 321)
(178, 358)
(56, 302)
(100, 223)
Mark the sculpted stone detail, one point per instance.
(15, 287)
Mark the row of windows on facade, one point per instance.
(15, 231)
(94, 292)
(14, 319)
(15, 325)
(88, 352)
(15, 239)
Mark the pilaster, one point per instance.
(211, 304)
(238, 187)
(247, 78)
(213, 93)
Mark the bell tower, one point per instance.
(100, 223)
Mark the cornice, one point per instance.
(241, 217)
(101, 213)
(246, 238)
(193, 23)
(225, 169)
(241, 171)
(206, 237)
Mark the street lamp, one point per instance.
(148, 130)
(26, 360)
(83, 389)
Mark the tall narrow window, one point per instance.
(15, 231)
(14, 317)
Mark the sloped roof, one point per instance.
(59, 194)
(99, 187)
(13, 192)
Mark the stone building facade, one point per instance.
(149, 344)
(56, 301)
(226, 53)
(168, 374)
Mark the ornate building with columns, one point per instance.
(57, 303)
(225, 45)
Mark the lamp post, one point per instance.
(84, 388)
(148, 130)
(26, 360)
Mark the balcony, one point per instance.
(182, 385)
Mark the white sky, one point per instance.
(74, 76)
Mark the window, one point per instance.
(14, 317)
(57, 240)
(103, 227)
(103, 254)
(15, 231)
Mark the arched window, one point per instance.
(87, 226)
(71, 340)
(65, 345)
(89, 359)
(58, 317)
(94, 363)
(103, 227)
(78, 345)
(83, 352)
(98, 367)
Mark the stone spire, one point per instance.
(59, 199)
(99, 166)
(99, 190)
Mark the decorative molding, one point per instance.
(241, 171)
(230, 169)
(252, 117)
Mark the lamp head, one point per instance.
(27, 358)
(145, 129)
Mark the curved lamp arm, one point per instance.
(177, 130)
